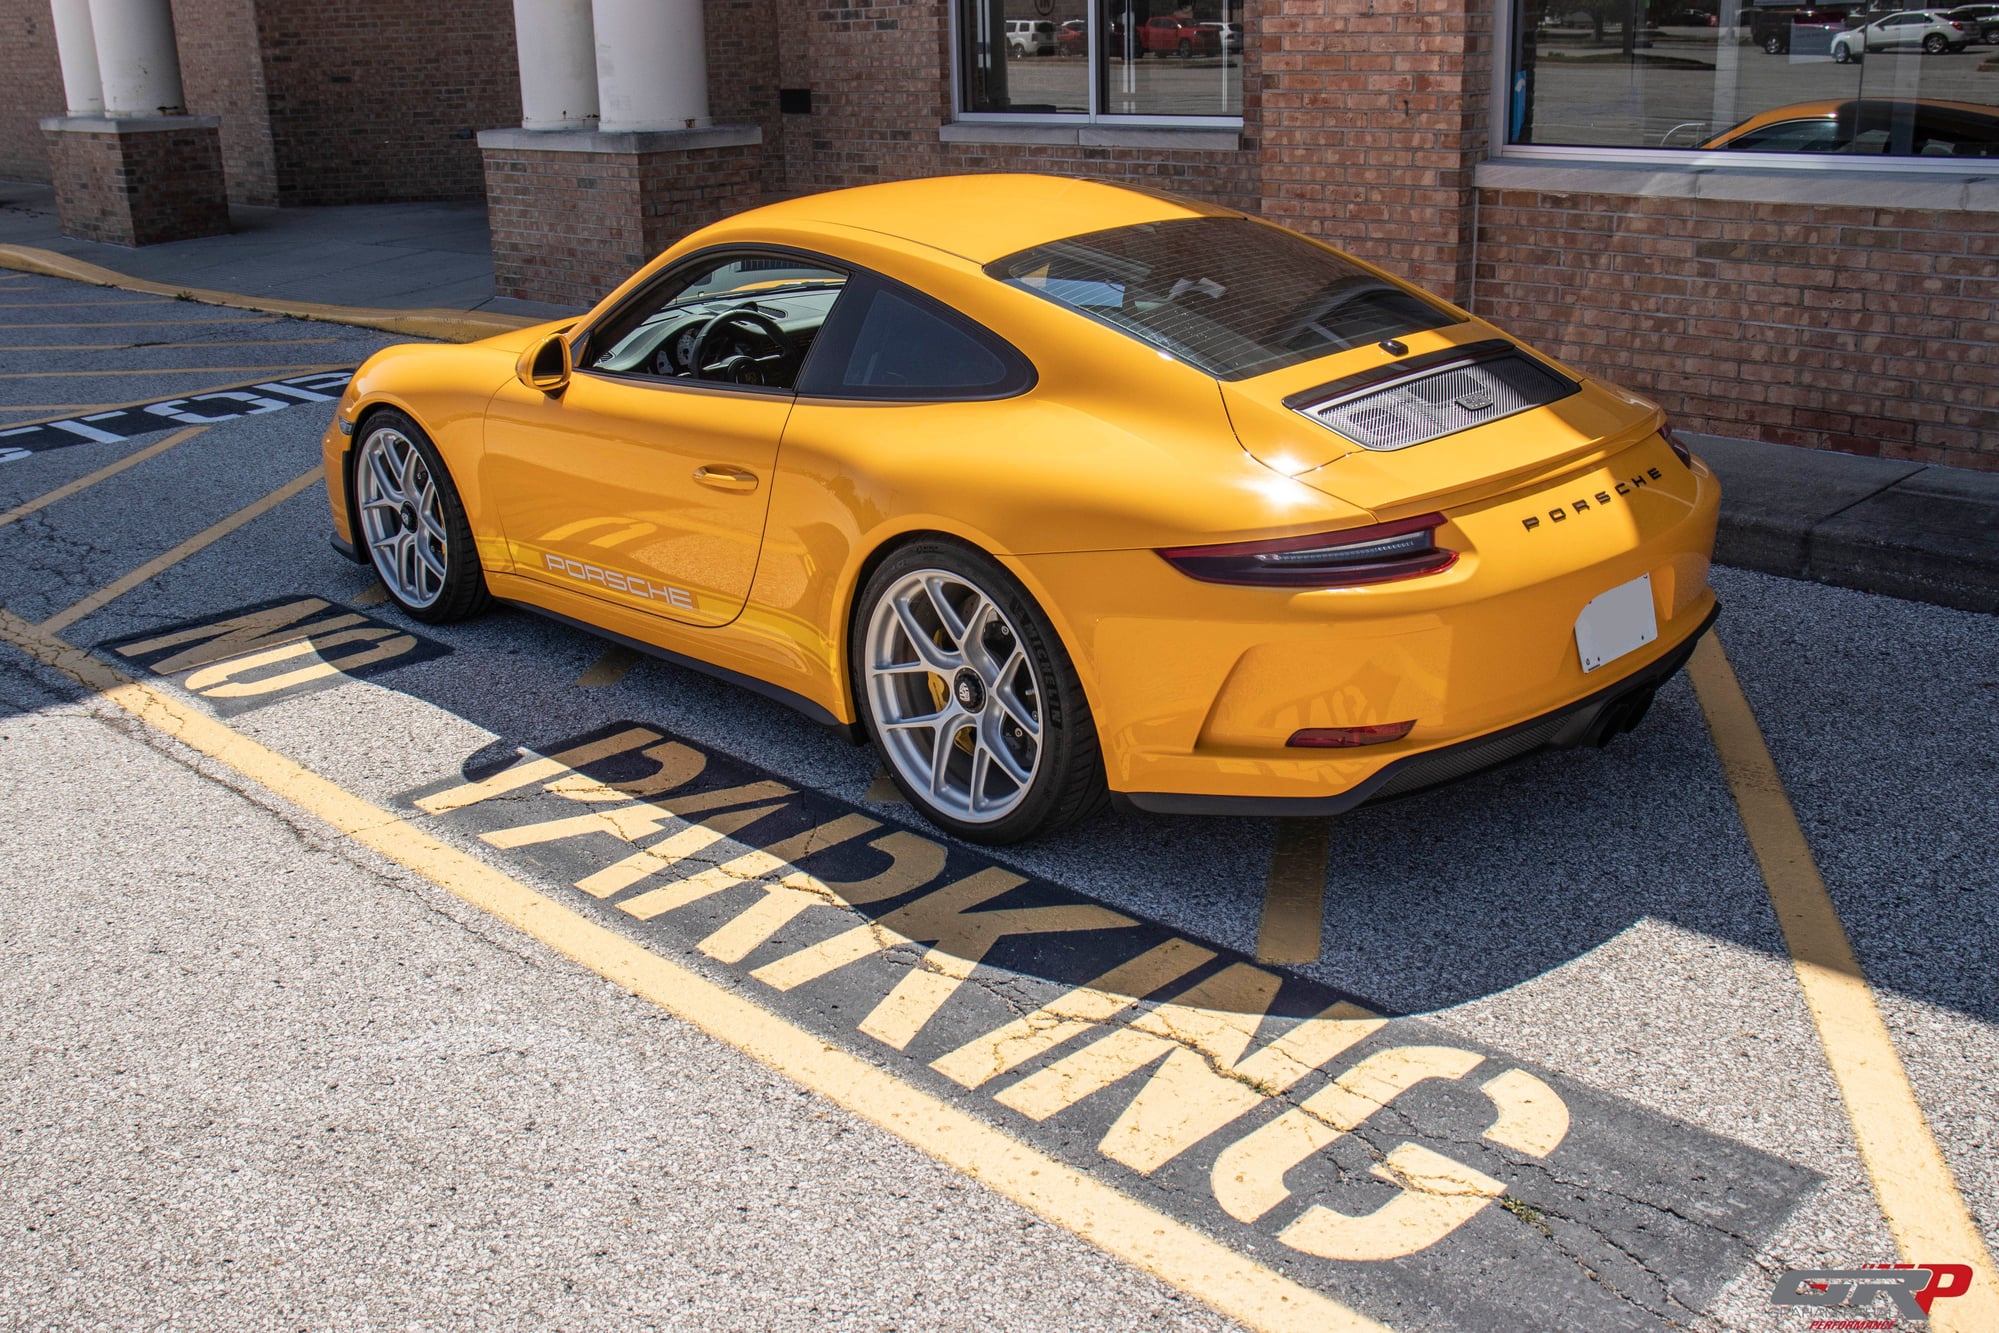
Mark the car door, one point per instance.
(644, 482)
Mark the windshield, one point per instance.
(1230, 295)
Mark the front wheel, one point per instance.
(1842, 55)
(970, 699)
(1186, 48)
(1774, 45)
(414, 525)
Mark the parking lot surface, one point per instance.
(311, 911)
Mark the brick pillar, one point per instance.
(1374, 114)
(137, 180)
(573, 214)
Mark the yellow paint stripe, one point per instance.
(63, 492)
(1912, 1181)
(609, 669)
(1202, 1267)
(884, 790)
(1294, 907)
(374, 596)
(141, 323)
(59, 407)
(154, 398)
(449, 325)
(159, 347)
(267, 371)
(153, 568)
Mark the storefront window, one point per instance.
(1101, 58)
(1731, 75)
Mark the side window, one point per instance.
(887, 342)
(1793, 136)
(746, 319)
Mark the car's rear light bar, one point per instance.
(1404, 549)
(1347, 738)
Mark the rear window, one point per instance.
(1231, 296)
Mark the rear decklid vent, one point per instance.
(1430, 396)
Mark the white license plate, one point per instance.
(1616, 622)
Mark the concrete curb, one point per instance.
(445, 325)
(1920, 531)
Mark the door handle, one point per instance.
(725, 478)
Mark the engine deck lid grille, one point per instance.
(1428, 397)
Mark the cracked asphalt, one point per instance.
(263, 1077)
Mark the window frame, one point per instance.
(1500, 149)
(581, 340)
(1077, 119)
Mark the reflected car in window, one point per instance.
(1981, 21)
(1910, 30)
(1058, 493)
(1921, 128)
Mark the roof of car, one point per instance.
(1829, 110)
(986, 217)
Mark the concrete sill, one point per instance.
(1191, 139)
(622, 141)
(1862, 189)
(129, 124)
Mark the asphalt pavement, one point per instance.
(341, 997)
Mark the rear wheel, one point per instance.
(1936, 44)
(1774, 44)
(970, 699)
(413, 523)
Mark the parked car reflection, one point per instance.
(1913, 128)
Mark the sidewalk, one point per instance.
(1924, 532)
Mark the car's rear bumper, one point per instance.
(1591, 721)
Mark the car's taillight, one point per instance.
(1680, 451)
(1347, 738)
(1403, 549)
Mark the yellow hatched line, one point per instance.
(1912, 1181)
(165, 370)
(1170, 1250)
(159, 564)
(63, 492)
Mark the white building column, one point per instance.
(76, 50)
(558, 59)
(652, 64)
(136, 57)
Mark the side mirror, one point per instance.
(545, 364)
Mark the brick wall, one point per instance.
(1373, 119)
(222, 74)
(30, 88)
(1867, 330)
(568, 227)
(372, 101)
(139, 187)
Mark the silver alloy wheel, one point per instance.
(954, 695)
(402, 516)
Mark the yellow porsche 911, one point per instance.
(1060, 493)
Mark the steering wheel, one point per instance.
(737, 367)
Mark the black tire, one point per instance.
(1186, 49)
(1842, 55)
(1774, 44)
(462, 588)
(1068, 784)
(1936, 44)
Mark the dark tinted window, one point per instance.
(887, 342)
(1229, 295)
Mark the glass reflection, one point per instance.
(1152, 58)
(1737, 76)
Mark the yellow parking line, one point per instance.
(167, 370)
(884, 790)
(610, 668)
(142, 323)
(59, 407)
(63, 492)
(374, 596)
(1912, 1181)
(153, 568)
(1294, 907)
(1176, 1253)
(159, 347)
